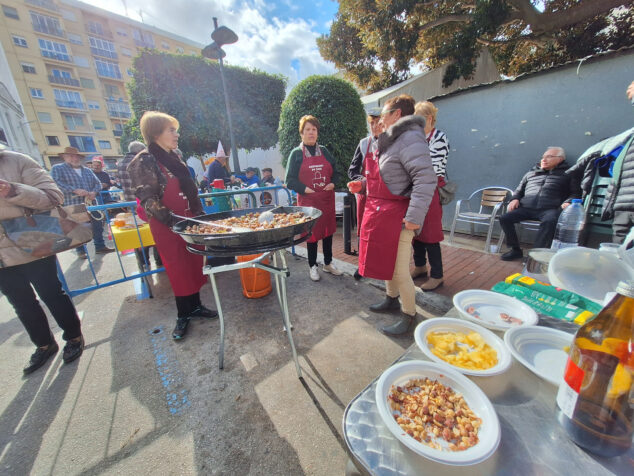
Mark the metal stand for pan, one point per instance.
(280, 271)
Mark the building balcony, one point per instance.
(47, 4)
(117, 132)
(71, 104)
(119, 114)
(102, 32)
(104, 53)
(110, 75)
(57, 56)
(143, 44)
(48, 30)
(65, 81)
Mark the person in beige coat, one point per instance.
(24, 184)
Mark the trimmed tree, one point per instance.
(190, 89)
(340, 112)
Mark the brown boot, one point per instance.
(418, 272)
(431, 284)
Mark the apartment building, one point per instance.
(70, 62)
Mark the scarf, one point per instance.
(307, 149)
(178, 169)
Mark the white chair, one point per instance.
(492, 204)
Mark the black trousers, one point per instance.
(431, 251)
(15, 284)
(548, 223)
(621, 226)
(185, 305)
(326, 245)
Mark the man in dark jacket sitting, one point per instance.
(541, 195)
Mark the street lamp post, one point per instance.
(223, 36)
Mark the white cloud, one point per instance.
(269, 45)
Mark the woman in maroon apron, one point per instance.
(311, 172)
(364, 152)
(164, 186)
(427, 244)
(400, 183)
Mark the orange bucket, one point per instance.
(256, 283)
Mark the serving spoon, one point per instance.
(268, 216)
(237, 229)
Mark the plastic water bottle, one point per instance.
(569, 226)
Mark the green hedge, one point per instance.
(338, 107)
(190, 89)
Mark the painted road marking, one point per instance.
(177, 395)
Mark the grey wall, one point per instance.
(497, 132)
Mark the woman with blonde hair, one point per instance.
(163, 184)
(427, 243)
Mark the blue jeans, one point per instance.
(97, 236)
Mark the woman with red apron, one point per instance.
(390, 219)
(427, 244)
(163, 186)
(311, 172)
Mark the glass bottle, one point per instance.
(595, 401)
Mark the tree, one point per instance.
(189, 88)
(337, 106)
(377, 43)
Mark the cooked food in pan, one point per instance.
(248, 221)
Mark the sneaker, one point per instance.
(513, 254)
(314, 273)
(73, 349)
(181, 328)
(40, 357)
(104, 250)
(202, 311)
(330, 268)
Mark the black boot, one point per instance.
(181, 328)
(512, 254)
(202, 311)
(400, 327)
(388, 304)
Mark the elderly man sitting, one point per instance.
(541, 195)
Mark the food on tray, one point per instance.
(434, 415)
(250, 221)
(468, 351)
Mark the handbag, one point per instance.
(447, 192)
(44, 234)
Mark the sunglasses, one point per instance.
(389, 111)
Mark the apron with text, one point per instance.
(382, 225)
(316, 173)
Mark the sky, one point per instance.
(276, 36)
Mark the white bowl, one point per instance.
(489, 433)
(447, 324)
(540, 350)
(489, 305)
(588, 272)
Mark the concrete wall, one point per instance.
(497, 132)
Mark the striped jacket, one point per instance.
(439, 151)
(68, 180)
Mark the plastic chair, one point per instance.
(492, 204)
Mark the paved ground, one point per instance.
(138, 403)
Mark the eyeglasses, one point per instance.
(385, 113)
(550, 156)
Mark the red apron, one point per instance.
(361, 197)
(382, 225)
(316, 173)
(432, 226)
(184, 269)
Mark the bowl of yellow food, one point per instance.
(466, 347)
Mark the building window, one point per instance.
(97, 28)
(99, 125)
(69, 99)
(36, 93)
(68, 15)
(75, 39)
(111, 90)
(44, 117)
(118, 129)
(180, 50)
(73, 121)
(105, 144)
(28, 68)
(122, 32)
(83, 143)
(19, 41)
(143, 39)
(108, 69)
(53, 50)
(82, 62)
(101, 47)
(119, 109)
(10, 12)
(126, 51)
(87, 83)
(94, 105)
(165, 45)
(52, 140)
(46, 24)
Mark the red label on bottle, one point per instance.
(573, 375)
